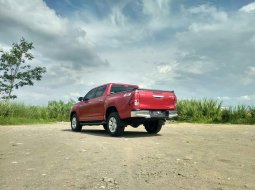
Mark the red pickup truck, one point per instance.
(117, 105)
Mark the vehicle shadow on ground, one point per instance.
(103, 133)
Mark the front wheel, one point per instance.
(153, 127)
(75, 124)
(115, 127)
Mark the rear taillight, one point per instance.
(175, 101)
(173, 96)
(134, 101)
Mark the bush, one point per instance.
(211, 111)
(58, 110)
(201, 111)
(18, 113)
(205, 111)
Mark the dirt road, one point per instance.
(182, 156)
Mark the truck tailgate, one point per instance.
(156, 100)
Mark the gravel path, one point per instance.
(181, 156)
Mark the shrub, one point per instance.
(211, 111)
(13, 112)
(206, 110)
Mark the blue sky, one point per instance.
(200, 49)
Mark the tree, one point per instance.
(14, 73)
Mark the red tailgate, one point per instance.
(156, 100)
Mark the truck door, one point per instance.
(86, 107)
(97, 104)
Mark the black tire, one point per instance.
(153, 127)
(75, 124)
(115, 127)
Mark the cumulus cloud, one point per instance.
(54, 36)
(60, 45)
(199, 51)
(164, 69)
(224, 42)
(250, 8)
(158, 14)
(33, 15)
(249, 76)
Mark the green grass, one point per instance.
(203, 111)
(211, 111)
(22, 120)
(196, 111)
(12, 113)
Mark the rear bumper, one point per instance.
(149, 114)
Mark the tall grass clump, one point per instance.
(211, 111)
(203, 111)
(59, 110)
(19, 113)
(239, 115)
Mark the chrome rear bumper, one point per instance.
(151, 114)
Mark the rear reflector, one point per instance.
(136, 103)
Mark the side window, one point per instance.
(90, 94)
(100, 91)
(118, 88)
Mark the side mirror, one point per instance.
(80, 99)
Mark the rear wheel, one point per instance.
(75, 124)
(153, 127)
(115, 126)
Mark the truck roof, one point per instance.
(120, 84)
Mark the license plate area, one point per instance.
(158, 113)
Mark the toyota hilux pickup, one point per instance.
(116, 105)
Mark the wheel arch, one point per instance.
(71, 114)
(110, 110)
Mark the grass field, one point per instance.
(211, 111)
(195, 111)
(19, 113)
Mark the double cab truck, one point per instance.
(116, 105)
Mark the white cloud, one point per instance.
(251, 71)
(208, 50)
(164, 69)
(117, 18)
(250, 8)
(198, 51)
(249, 76)
(75, 94)
(54, 37)
(156, 9)
(158, 12)
(237, 100)
(205, 18)
(224, 98)
(207, 10)
(34, 15)
(252, 40)
(245, 97)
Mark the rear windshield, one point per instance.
(119, 88)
